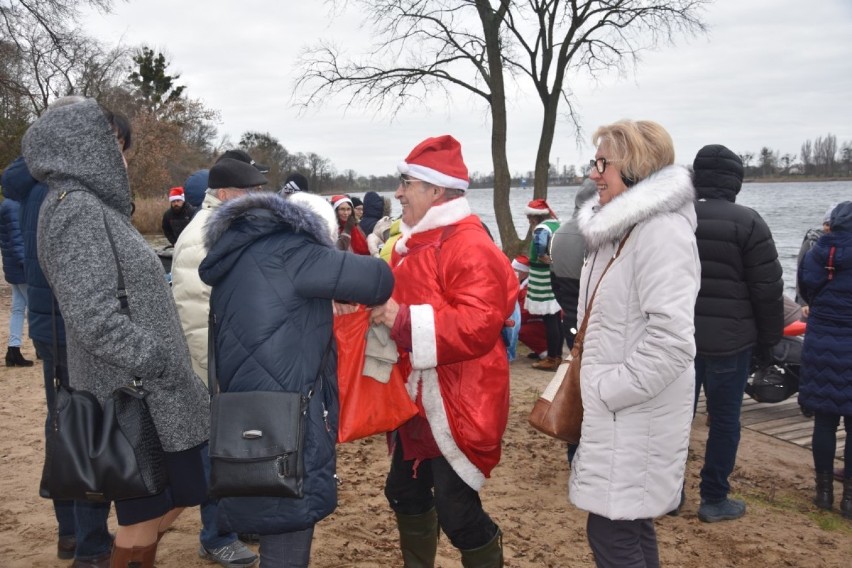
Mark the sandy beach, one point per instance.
(526, 496)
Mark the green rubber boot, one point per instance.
(418, 539)
(488, 556)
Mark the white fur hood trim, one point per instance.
(442, 215)
(426, 381)
(666, 191)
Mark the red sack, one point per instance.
(367, 407)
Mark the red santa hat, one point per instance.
(176, 194)
(338, 200)
(521, 263)
(539, 207)
(437, 161)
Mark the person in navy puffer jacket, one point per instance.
(82, 525)
(825, 383)
(274, 272)
(12, 248)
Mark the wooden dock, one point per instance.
(782, 420)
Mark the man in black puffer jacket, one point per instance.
(739, 311)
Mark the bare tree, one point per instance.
(53, 17)
(825, 150)
(746, 158)
(807, 156)
(426, 48)
(54, 58)
(768, 161)
(846, 157)
(787, 160)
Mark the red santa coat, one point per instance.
(459, 289)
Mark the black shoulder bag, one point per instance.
(104, 453)
(257, 437)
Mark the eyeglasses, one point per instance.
(406, 182)
(600, 164)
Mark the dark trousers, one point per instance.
(435, 484)
(86, 521)
(623, 544)
(724, 380)
(824, 442)
(287, 550)
(553, 329)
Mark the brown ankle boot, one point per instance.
(548, 364)
(136, 557)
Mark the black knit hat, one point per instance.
(228, 172)
(715, 166)
(244, 156)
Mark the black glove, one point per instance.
(762, 356)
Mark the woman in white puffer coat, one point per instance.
(637, 375)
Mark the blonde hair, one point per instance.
(639, 147)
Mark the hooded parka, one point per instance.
(12, 242)
(21, 186)
(825, 383)
(274, 271)
(74, 150)
(740, 304)
(637, 376)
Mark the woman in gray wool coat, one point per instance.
(75, 151)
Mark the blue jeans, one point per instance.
(19, 311)
(724, 380)
(210, 536)
(86, 521)
(510, 334)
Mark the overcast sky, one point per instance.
(769, 73)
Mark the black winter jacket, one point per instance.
(740, 302)
(11, 242)
(274, 272)
(174, 222)
(21, 186)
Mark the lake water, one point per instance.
(790, 209)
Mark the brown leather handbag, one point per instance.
(558, 412)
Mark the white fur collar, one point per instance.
(437, 216)
(666, 191)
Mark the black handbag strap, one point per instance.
(120, 294)
(213, 374)
(581, 333)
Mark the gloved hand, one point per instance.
(762, 356)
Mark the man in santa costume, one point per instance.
(454, 291)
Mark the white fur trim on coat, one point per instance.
(424, 345)
(437, 216)
(666, 190)
(436, 414)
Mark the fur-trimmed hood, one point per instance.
(239, 222)
(666, 191)
(289, 216)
